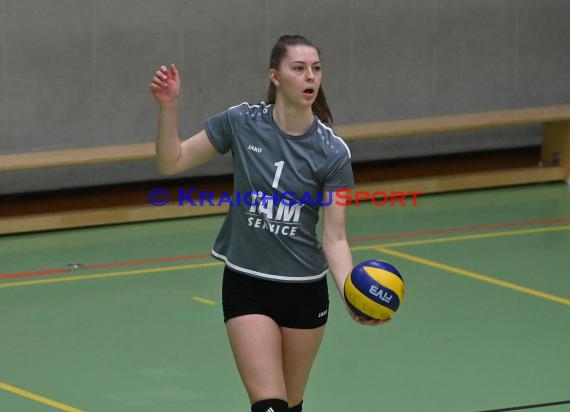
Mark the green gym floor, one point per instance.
(136, 324)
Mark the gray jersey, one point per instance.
(279, 180)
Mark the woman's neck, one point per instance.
(292, 121)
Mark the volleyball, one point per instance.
(374, 289)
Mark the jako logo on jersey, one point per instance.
(254, 148)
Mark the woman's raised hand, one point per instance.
(165, 85)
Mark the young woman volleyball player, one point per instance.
(274, 292)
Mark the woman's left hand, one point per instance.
(368, 322)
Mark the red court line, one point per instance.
(356, 239)
(103, 265)
(146, 261)
(459, 229)
(34, 273)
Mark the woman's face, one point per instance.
(299, 76)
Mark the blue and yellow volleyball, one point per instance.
(374, 289)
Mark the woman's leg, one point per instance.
(257, 347)
(300, 348)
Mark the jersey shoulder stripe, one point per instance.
(249, 106)
(331, 131)
(243, 104)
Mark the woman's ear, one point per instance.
(273, 76)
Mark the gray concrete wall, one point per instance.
(75, 73)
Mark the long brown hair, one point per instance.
(320, 106)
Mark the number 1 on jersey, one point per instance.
(279, 166)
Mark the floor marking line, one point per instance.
(203, 300)
(351, 240)
(466, 237)
(38, 398)
(476, 276)
(109, 275)
(459, 229)
(538, 405)
(148, 261)
(34, 273)
(104, 266)
(357, 248)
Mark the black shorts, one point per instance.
(290, 304)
